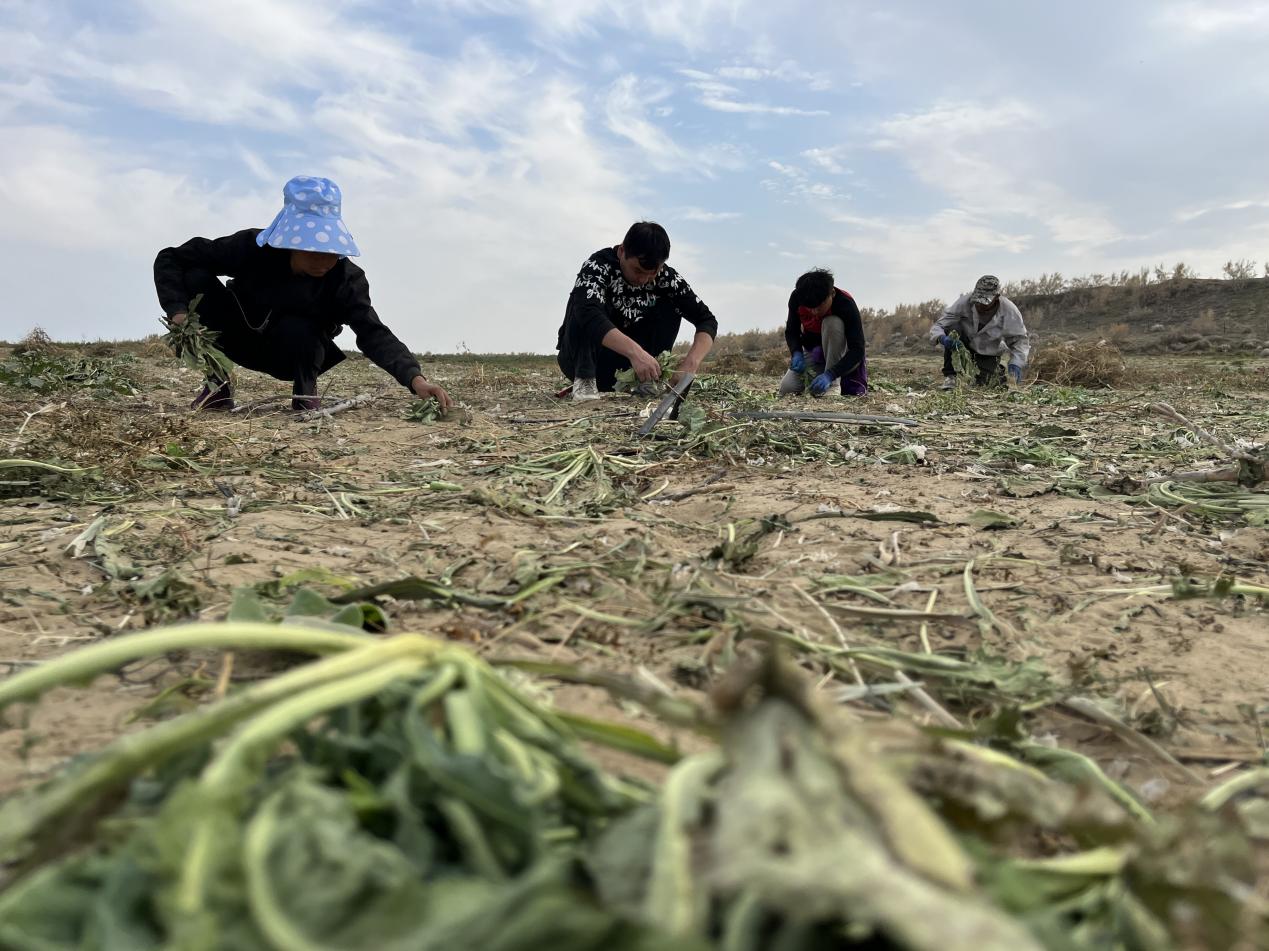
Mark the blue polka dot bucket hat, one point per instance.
(310, 219)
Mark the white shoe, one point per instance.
(648, 389)
(949, 383)
(585, 390)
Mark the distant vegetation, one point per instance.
(1154, 308)
(1151, 309)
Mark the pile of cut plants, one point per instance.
(401, 793)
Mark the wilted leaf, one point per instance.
(987, 520)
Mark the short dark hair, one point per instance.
(647, 241)
(813, 286)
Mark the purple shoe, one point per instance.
(305, 404)
(221, 399)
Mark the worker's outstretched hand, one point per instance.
(820, 385)
(425, 390)
(647, 368)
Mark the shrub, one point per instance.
(36, 341)
(1085, 363)
(1205, 322)
(1240, 270)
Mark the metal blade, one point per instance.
(667, 403)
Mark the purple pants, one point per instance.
(855, 383)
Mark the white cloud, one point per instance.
(713, 93)
(688, 23)
(1246, 204)
(459, 175)
(68, 192)
(979, 156)
(626, 110)
(34, 95)
(788, 72)
(502, 141)
(1195, 19)
(888, 259)
(795, 184)
(720, 103)
(827, 159)
(701, 215)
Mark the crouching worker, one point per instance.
(825, 335)
(291, 290)
(986, 325)
(626, 307)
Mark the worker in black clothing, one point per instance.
(291, 290)
(625, 309)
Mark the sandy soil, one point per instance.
(643, 590)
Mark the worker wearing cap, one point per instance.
(291, 290)
(987, 325)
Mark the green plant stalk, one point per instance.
(540, 780)
(962, 362)
(987, 619)
(231, 770)
(1057, 756)
(47, 466)
(131, 755)
(1247, 590)
(673, 900)
(263, 901)
(86, 663)
(1226, 792)
(618, 737)
(1101, 862)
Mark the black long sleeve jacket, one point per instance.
(262, 280)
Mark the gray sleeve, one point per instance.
(1015, 333)
(950, 319)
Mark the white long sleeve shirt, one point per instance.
(1003, 333)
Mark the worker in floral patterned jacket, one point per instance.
(987, 326)
(626, 308)
(825, 336)
(291, 290)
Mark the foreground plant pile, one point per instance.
(401, 793)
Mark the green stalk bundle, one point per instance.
(195, 345)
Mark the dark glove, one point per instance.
(798, 363)
(1015, 371)
(821, 383)
(950, 343)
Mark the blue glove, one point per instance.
(950, 344)
(1015, 371)
(821, 383)
(798, 363)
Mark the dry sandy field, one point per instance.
(996, 554)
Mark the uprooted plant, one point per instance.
(403, 794)
(195, 345)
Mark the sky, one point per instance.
(485, 148)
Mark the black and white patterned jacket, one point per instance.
(603, 300)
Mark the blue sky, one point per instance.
(486, 147)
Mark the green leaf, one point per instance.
(915, 517)
(693, 417)
(988, 520)
(618, 736)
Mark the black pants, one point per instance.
(285, 346)
(581, 359)
(990, 372)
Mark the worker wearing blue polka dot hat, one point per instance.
(291, 289)
(310, 219)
